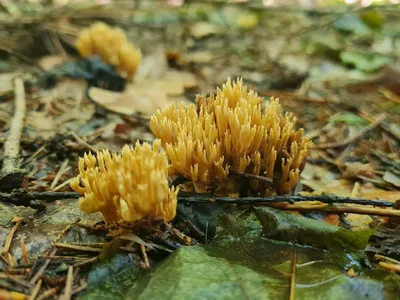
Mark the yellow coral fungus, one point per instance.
(126, 186)
(232, 131)
(111, 45)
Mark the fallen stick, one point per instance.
(341, 209)
(11, 175)
(68, 284)
(185, 197)
(24, 198)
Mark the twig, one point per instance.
(185, 197)
(68, 285)
(382, 257)
(66, 229)
(22, 197)
(179, 235)
(354, 138)
(342, 209)
(43, 268)
(4, 259)
(86, 262)
(293, 277)
(79, 288)
(10, 236)
(11, 175)
(62, 184)
(60, 172)
(145, 258)
(83, 143)
(25, 257)
(390, 266)
(252, 176)
(48, 293)
(77, 248)
(20, 282)
(36, 290)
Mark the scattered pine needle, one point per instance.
(145, 258)
(390, 266)
(48, 293)
(10, 236)
(68, 285)
(64, 168)
(293, 277)
(36, 290)
(43, 268)
(25, 257)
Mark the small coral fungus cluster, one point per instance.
(233, 130)
(127, 186)
(111, 45)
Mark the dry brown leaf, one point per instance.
(173, 83)
(133, 99)
(42, 123)
(50, 61)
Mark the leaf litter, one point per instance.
(320, 66)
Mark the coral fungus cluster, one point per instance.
(111, 45)
(126, 186)
(233, 130)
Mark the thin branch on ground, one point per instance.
(342, 209)
(24, 198)
(251, 176)
(43, 268)
(83, 143)
(185, 197)
(11, 175)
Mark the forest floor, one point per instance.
(336, 68)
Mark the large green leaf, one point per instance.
(351, 23)
(240, 263)
(364, 62)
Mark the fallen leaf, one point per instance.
(202, 29)
(392, 178)
(42, 124)
(50, 61)
(364, 62)
(351, 23)
(133, 99)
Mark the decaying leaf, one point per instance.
(133, 99)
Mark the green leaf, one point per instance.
(289, 227)
(348, 118)
(240, 263)
(364, 62)
(392, 178)
(351, 23)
